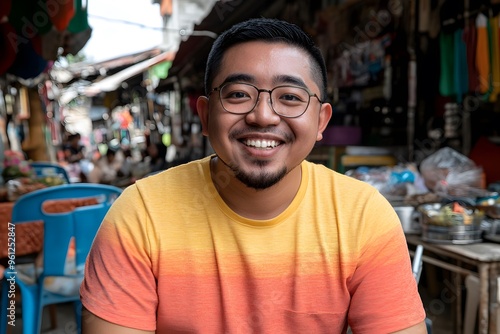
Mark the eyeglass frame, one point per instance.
(260, 90)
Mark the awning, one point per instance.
(114, 81)
(33, 32)
(193, 52)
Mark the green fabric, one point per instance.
(446, 78)
(80, 21)
(461, 75)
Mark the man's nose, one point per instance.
(263, 113)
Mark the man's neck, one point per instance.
(251, 203)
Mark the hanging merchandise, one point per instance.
(30, 18)
(8, 45)
(482, 57)
(424, 15)
(452, 121)
(446, 81)
(470, 38)
(40, 30)
(449, 43)
(8, 37)
(61, 13)
(79, 21)
(24, 104)
(460, 73)
(50, 44)
(79, 31)
(495, 58)
(28, 64)
(434, 19)
(5, 7)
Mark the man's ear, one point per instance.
(325, 114)
(202, 107)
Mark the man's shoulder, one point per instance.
(177, 174)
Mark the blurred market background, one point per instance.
(127, 76)
(107, 91)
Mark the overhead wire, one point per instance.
(180, 31)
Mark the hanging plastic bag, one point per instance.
(450, 172)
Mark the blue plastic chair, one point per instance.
(43, 169)
(59, 228)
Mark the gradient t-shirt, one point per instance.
(171, 256)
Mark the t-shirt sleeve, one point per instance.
(119, 284)
(384, 291)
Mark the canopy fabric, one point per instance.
(114, 81)
(61, 13)
(31, 32)
(28, 63)
(80, 21)
(5, 6)
(8, 45)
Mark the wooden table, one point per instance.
(485, 258)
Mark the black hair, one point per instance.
(270, 30)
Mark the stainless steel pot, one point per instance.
(442, 225)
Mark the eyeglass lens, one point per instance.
(288, 101)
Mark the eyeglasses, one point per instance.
(286, 101)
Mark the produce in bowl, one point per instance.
(450, 214)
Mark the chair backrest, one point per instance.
(43, 169)
(60, 228)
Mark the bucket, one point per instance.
(410, 219)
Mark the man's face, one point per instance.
(238, 139)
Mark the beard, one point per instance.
(260, 179)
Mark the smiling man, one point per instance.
(253, 239)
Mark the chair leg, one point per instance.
(53, 316)
(4, 303)
(31, 316)
(78, 315)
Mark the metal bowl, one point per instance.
(441, 225)
(492, 211)
(437, 214)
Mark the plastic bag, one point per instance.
(448, 169)
(395, 183)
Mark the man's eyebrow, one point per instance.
(277, 80)
(288, 79)
(239, 77)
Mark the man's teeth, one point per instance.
(262, 143)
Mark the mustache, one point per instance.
(253, 130)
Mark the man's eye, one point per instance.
(290, 97)
(237, 95)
